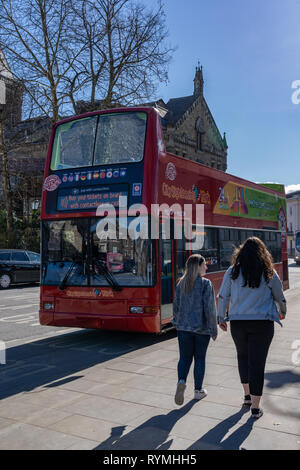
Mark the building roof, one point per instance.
(293, 194)
(177, 107)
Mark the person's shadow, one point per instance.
(154, 433)
(281, 378)
(212, 440)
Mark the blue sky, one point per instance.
(250, 53)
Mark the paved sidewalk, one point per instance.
(109, 390)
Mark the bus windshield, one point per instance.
(99, 140)
(74, 255)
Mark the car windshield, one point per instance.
(99, 140)
(95, 260)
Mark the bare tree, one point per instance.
(34, 39)
(67, 50)
(5, 174)
(124, 48)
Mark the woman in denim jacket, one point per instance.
(251, 286)
(195, 321)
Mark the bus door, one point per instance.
(168, 273)
(167, 256)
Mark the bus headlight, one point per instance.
(48, 306)
(136, 309)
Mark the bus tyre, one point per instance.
(5, 281)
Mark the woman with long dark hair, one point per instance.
(252, 287)
(195, 320)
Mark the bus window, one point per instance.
(272, 241)
(210, 249)
(65, 249)
(259, 235)
(226, 247)
(120, 138)
(132, 262)
(234, 235)
(243, 236)
(74, 144)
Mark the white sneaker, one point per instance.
(199, 394)
(179, 395)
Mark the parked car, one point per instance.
(18, 266)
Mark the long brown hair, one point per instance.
(187, 281)
(253, 259)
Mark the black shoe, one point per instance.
(247, 400)
(256, 412)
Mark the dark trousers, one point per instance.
(252, 340)
(192, 346)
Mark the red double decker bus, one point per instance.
(127, 283)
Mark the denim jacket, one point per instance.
(196, 312)
(248, 303)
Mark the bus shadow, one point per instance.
(52, 360)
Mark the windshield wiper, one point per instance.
(108, 275)
(63, 283)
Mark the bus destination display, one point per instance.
(70, 199)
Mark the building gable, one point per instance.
(190, 129)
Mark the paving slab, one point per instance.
(21, 436)
(87, 427)
(106, 409)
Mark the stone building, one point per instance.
(11, 95)
(190, 130)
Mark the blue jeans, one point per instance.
(192, 346)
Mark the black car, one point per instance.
(18, 266)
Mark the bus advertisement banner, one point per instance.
(242, 201)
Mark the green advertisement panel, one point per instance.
(242, 201)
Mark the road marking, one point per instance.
(18, 307)
(27, 296)
(47, 335)
(25, 318)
